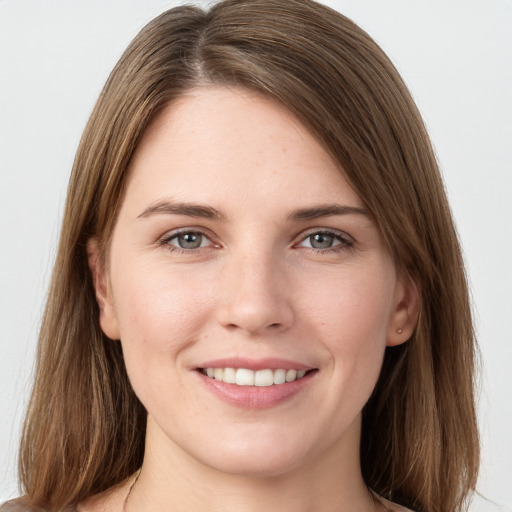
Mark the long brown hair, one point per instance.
(85, 428)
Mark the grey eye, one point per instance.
(321, 240)
(189, 240)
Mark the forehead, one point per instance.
(217, 143)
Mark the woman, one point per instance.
(255, 228)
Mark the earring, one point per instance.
(399, 331)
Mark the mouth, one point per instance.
(256, 384)
(259, 378)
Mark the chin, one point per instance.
(265, 452)
(251, 463)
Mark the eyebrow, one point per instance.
(208, 212)
(325, 210)
(188, 209)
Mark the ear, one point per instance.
(405, 313)
(108, 318)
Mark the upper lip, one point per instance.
(255, 364)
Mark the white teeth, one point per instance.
(244, 377)
(279, 376)
(260, 378)
(264, 378)
(291, 375)
(229, 375)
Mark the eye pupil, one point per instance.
(321, 241)
(189, 240)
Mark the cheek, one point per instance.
(159, 315)
(352, 313)
(353, 306)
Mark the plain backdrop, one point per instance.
(456, 57)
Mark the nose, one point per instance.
(254, 296)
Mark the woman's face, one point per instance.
(241, 259)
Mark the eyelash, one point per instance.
(165, 241)
(345, 242)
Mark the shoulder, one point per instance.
(18, 505)
(111, 499)
(23, 505)
(394, 507)
(389, 506)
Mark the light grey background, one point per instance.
(455, 55)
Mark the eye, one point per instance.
(325, 240)
(187, 240)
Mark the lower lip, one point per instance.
(256, 397)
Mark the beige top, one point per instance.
(19, 505)
(392, 507)
(388, 505)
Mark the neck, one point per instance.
(171, 479)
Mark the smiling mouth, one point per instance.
(258, 378)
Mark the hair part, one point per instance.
(85, 428)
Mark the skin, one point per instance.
(255, 288)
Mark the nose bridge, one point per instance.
(254, 295)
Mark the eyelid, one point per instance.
(346, 240)
(169, 235)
